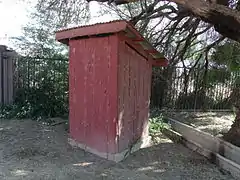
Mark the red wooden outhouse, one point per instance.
(110, 69)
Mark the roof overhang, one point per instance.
(99, 29)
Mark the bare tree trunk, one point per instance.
(225, 20)
(233, 135)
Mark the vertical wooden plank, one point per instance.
(10, 79)
(113, 95)
(93, 107)
(7, 78)
(91, 91)
(75, 115)
(130, 100)
(87, 92)
(134, 61)
(97, 135)
(123, 93)
(138, 99)
(121, 88)
(148, 82)
(108, 91)
(71, 90)
(125, 137)
(5, 83)
(1, 78)
(141, 97)
(98, 120)
(16, 76)
(81, 87)
(92, 119)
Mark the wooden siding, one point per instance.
(93, 92)
(109, 92)
(134, 84)
(109, 88)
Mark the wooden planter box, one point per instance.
(224, 154)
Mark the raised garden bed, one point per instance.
(224, 154)
(214, 123)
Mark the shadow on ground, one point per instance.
(30, 150)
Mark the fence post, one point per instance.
(6, 75)
(1, 74)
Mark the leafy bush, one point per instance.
(156, 125)
(44, 101)
(42, 89)
(16, 111)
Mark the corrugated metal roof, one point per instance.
(111, 27)
(90, 25)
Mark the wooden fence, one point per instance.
(7, 65)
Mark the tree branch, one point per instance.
(225, 20)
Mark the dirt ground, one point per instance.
(215, 123)
(30, 150)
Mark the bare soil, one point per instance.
(30, 150)
(215, 123)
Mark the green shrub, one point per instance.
(42, 88)
(46, 100)
(157, 124)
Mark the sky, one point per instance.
(14, 15)
(94, 9)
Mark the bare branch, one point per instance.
(225, 20)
